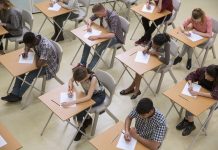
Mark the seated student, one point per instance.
(149, 29)
(46, 56)
(68, 4)
(11, 20)
(111, 21)
(150, 125)
(207, 77)
(93, 89)
(200, 24)
(161, 48)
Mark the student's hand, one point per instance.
(195, 31)
(158, 10)
(93, 38)
(89, 29)
(127, 136)
(193, 93)
(154, 53)
(148, 6)
(133, 133)
(2, 24)
(145, 51)
(61, 3)
(187, 33)
(190, 83)
(51, 4)
(70, 87)
(25, 54)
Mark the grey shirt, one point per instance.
(13, 20)
(72, 4)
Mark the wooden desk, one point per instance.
(12, 143)
(176, 33)
(11, 62)
(104, 140)
(3, 31)
(64, 113)
(196, 105)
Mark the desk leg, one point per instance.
(158, 29)
(196, 57)
(136, 26)
(173, 105)
(76, 54)
(46, 123)
(42, 24)
(10, 85)
(121, 74)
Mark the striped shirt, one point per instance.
(153, 128)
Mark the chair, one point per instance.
(27, 20)
(165, 135)
(125, 27)
(176, 7)
(107, 80)
(210, 44)
(174, 53)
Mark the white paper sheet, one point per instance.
(142, 58)
(2, 141)
(186, 92)
(146, 10)
(93, 33)
(56, 7)
(124, 145)
(194, 37)
(28, 60)
(64, 98)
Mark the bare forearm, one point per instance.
(205, 94)
(152, 145)
(106, 36)
(127, 124)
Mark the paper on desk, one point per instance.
(146, 10)
(93, 33)
(2, 141)
(28, 60)
(124, 145)
(56, 7)
(196, 88)
(194, 37)
(64, 98)
(142, 58)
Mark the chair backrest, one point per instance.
(165, 135)
(27, 19)
(59, 51)
(124, 25)
(108, 81)
(85, 4)
(176, 7)
(174, 52)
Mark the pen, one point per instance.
(116, 137)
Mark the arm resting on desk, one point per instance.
(106, 36)
(152, 145)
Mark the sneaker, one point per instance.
(177, 60)
(189, 128)
(79, 134)
(11, 98)
(189, 64)
(139, 42)
(182, 124)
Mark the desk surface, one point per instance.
(128, 59)
(12, 143)
(43, 7)
(150, 16)
(196, 105)
(64, 113)
(3, 31)
(176, 33)
(11, 62)
(81, 31)
(104, 140)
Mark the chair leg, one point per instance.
(172, 75)
(173, 25)
(214, 53)
(59, 80)
(43, 85)
(113, 56)
(165, 28)
(76, 26)
(128, 12)
(94, 124)
(160, 82)
(16, 45)
(112, 115)
(205, 56)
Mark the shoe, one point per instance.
(134, 96)
(87, 122)
(1, 47)
(78, 65)
(11, 98)
(177, 60)
(189, 128)
(79, 134)
(54, 37)
(189, 64)
(139, 42)
(125, 92)
(182, 124)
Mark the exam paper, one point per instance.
(56, 7)
(146, 10)
(142, 58)
(124, 145)
(2, 141)
(64, 98)
(194, 37)
(186, 92)
(28, 60)
(93, 33)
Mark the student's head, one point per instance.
(159, 40)
(145, 108)
(211, 73)
(29, 39)
(99, 10)
(198, 15)
(5, 4)
(80, 74)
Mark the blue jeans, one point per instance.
(20, 87)
(99, 49)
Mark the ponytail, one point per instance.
(161, 39)
(212, 70)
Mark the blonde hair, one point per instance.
(7, 4)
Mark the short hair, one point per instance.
(161, 39)
(97, 7)
(7, 3)
(145, 105)
(29, 38)
(80, 73)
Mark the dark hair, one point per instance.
(80, 73)
(97, 7)
(161, 39)
(29, 38)
(212, 70)
(7, 3)
(145, 105)
(198, 13)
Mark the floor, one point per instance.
(26, 125)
